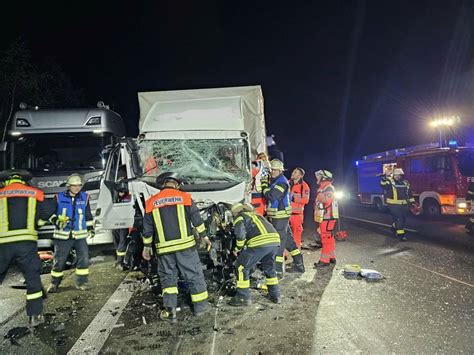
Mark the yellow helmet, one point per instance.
(74, 179)
(239, 207)
(277, 164)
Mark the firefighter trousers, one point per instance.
(25, 254)
(296, 223)
(286, 242)
(62, 248)
(399, 214)
(328, 250)
(245, 264)
(187, 263)
(120, 243)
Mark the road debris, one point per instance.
(16, 334)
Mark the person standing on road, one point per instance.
(170, 217)
(277, 194)
(326, 214)
(74, 223)
(299, 196)
(120, 235)
(399, 197)
(256, 241)
(22, 211)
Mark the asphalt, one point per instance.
(423, 305)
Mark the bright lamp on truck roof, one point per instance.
(93, 121)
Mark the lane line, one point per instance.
(96, 334)
(215, 329)
(433, 272)
(376, 223)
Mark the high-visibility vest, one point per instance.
(76, 212)
(326, 206)
(280, 208)
(9, 217)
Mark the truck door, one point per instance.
(113, 212)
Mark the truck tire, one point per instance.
(431, 208)
(378, 205)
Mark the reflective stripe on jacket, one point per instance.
(299, 196)
(170, 216)
(253, 231)
(77, 210)
(19, 213)
(397, 192)
(278, 198)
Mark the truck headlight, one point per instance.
(462, 205)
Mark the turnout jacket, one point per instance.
(325, 206)
(278, 197)
(170, 216)
(299, 196)
(253, 231)
(22, 211)
(397, 192)
(78, 211)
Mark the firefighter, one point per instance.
(326, 214)
(299, 196)
(277, 194)
(260, 169)
(256, 241)
(120, 235)
(399, 197)
(74, 223)
(22, 210)
(470, 198)
(170, 216)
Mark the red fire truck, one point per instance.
(438, 176)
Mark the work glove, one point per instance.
(60, 221)
(147, 253)
(264, 183)
(206, 243)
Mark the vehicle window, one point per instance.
(113, 167)
(416, 166)
(439, 164)
(466, 163)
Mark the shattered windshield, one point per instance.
(198, 161)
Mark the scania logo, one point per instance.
(43, 184)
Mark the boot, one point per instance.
(36, 320)
(320, 265)
(169, 315)
(53, 288)
(296, 268)
(237, 301)
(332, 260)
(83, 287)
(274, 299)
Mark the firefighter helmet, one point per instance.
(277, 164)
(11, 176)
(239, 207)
(323, 174)
(398, 171)
(168, 176)
(74, 179)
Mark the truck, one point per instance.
(207, 136)
(54, 143)
(439, 177)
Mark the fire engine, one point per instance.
(439, 177)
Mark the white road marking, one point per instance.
(214, 329)
(94, 337)
(377, 223)
(433, 272)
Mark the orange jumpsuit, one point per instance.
(258, 200)
(326, 213)
(299, 195)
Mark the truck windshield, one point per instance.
(59, 152)
(198, 161)
(466, 163)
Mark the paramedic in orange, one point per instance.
(299, 196)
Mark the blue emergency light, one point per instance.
(453, 143)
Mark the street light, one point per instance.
(440, 123)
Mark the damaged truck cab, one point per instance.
(207, 136)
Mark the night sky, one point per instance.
(382, 67)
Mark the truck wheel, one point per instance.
(378, 204)
(431, 208)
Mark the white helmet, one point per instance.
(277, 164)
(398, 171)
(74, 179)
(324, 174)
